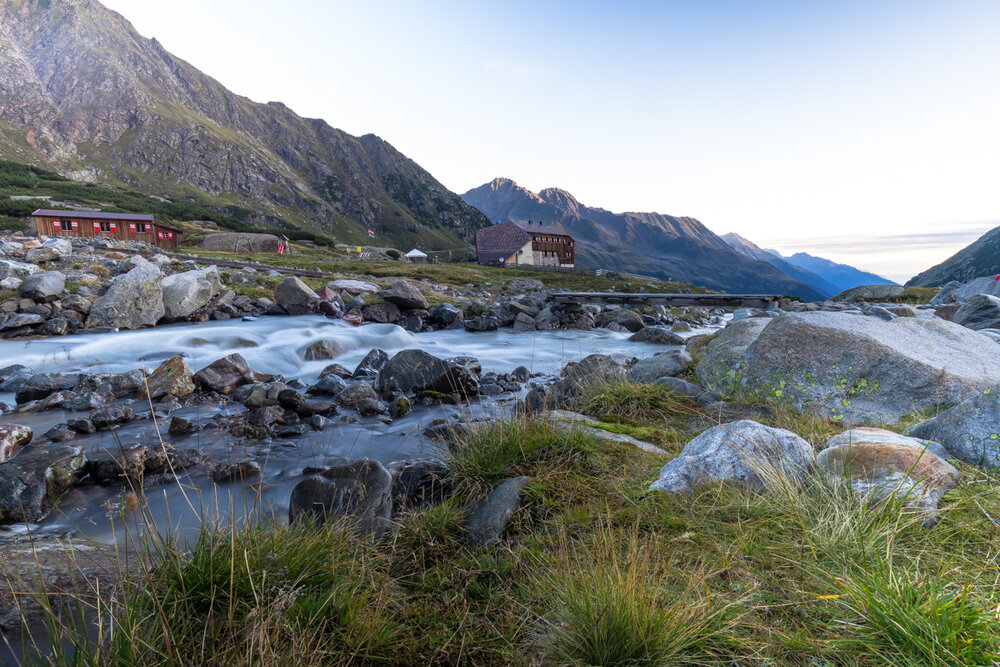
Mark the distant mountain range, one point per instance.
(979, 258)
(842, 276)
(83, 94)
(662, 246)
(750, 249)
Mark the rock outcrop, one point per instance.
(134, 300)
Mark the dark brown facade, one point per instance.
(120, 226)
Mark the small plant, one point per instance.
(486, 454)
(393, 254)
(634, 401)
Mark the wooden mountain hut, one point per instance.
(120, 226)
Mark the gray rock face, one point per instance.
(134, 300)
(404, 295)
(444, 314)
(660, 365)
(225, 375)
(372, 363)
(487, 519)
(32, 482)
(353, 286)
(744, 451)
(879, 471)
(680, 386)
(982, 285)
(62, 246)
(296, 297)
(359, 493)
(12, 438)
(853, 367)
(383, 313)
(869, 292)
(172, 377)
(22, 320)
(946, 294)
(656, 336)
(982, 311)
(185, 293)
(45, 286)
(416, 370)
(11, 269)
(970, 431)
(355, 394)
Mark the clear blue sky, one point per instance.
(868, 132)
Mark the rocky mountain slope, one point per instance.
(81, 92)
(751, 249)
(979, 258)
(663, 246)
(842, 276)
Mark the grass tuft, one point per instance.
(635, 401)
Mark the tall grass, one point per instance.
(636, 402)
(612, 608)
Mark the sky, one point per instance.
(865, 131)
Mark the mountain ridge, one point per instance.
(979, 258)
(751, 249)
(656, 244)
(89, 97)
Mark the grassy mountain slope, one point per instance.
(83, 94)
(664, 246)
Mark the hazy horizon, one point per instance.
(788, 123)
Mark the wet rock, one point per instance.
(111, 416)
(523, 322)
(359, 493)
(737, 452)
(312, 408)
(329, 385)
(415, 371)
(290, 431)
(318, 422)
(296, 297)
(33, 481)
(399, 407)
(878, 471)
(291, 399)
(488, 518)
(369, 407)
(383, 313)
(22, 320)
(233, 472)
(61, 433)
(322, 349)
(354, 316)
(405, 295)
(354, 393)
(628, 319)
(171, 378)
(336, 369)
(181, 426)
(162, 459)
(12, 438)
(444, 314)
(82, 425)
(481, 323)
(656, 336)
(521, 374)
(412, 323)
(577, 377)
(265, 416)
(225, 375)
(116, 467)
(417, 482)
(57, 326)
(970, 431)
(664, 364)
(38, 386)
(133, 300)
(371, 364)
(44, 287)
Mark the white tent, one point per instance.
(416, 256)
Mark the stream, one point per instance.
(270, 345)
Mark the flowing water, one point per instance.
(270, 345)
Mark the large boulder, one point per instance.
(12, 438)
(352, 286)
(869, 435)
(172, 377)
(296, 297)
(744, 452)
(982, 311)
(359, 493)
(914, 476)
(133, 300)
(11, 269)
(404, 295)
(42, 255)
(852, 367)
(322, 349)
(32, 482)
(970, 431)
(665, 364)
(415, 370)
(184, 293)
(869, 292)
(62, 246)
(224, 375)
(45, 286)
(963, 293)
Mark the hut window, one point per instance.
(107, 226)
(166, 235)
(138, 227)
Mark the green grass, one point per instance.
(593, 569)
(912, 295)
(635, 402)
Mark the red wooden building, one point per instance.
(121, 226)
